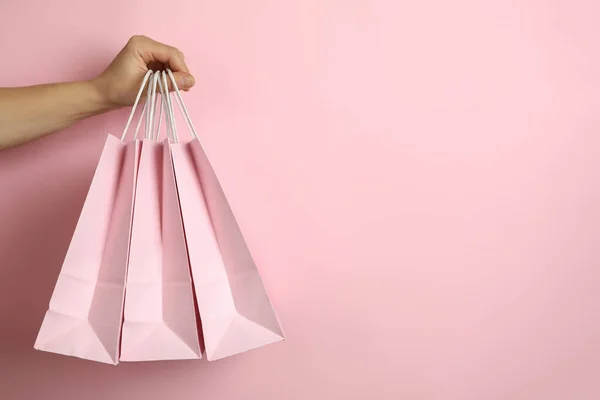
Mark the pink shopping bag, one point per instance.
(160, 318)
(85, 313)
(235, 311)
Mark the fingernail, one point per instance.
(186, 81)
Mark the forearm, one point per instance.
(31, 112)
(28, 113)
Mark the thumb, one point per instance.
(184, 80)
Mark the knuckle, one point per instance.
(137, 39)
(176, 51)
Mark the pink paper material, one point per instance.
(235, 311)
(160, 318)
(86, 308)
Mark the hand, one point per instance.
(119, 84)
(27, 113)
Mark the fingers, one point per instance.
(184, 81)
(152, 51)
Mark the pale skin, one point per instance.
(28, 113)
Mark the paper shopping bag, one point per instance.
(86, 308)
(160, 318)
(235, 311)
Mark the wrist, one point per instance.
(99, 95)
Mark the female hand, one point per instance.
(27, 113)
(121, 80)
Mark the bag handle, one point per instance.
(171, 135)
(170, 107)
(161, 92)
(182, 108)
(137, 100)
(151, 97)
(154, 131)
(160, 108)
(137, 128)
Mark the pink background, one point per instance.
(418, 182)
